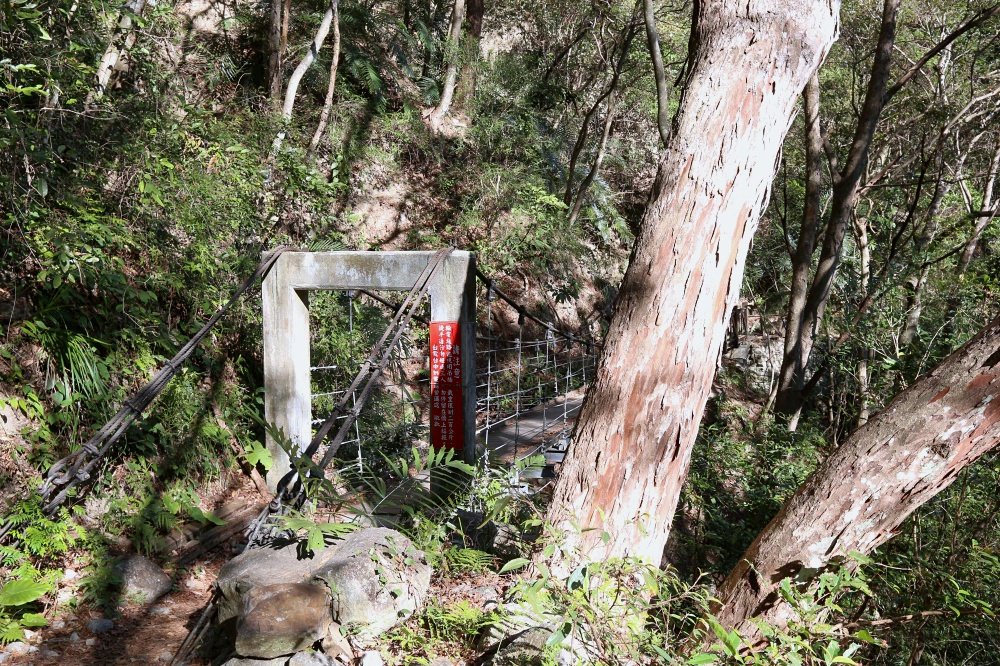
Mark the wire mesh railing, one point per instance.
(529, 381)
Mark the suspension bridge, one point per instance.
(353, 371)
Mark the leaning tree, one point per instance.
(747, 66)
(861, 494)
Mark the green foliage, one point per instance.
(314, 534)
(814, 635)
(743, 469)
(456, 622)
(14, 594)
(457, 560)
(614, 611)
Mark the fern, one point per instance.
(467, 560)
(315, 533)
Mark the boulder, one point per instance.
(281, 619)
(371, 579)
(377, 580)
(142, 580)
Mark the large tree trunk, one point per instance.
(860, 495)
(641, 416)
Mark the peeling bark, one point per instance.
(634, 437)
(861, 494)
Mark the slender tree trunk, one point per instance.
(862, 493)
(798, 344)
(277, 42)
(581, 191)
(581, 137)
(121, 42)
(659, 73)
(845, 195)
(980, 223)
(465, 90)
(307, 60)
(451, 72)
(633, 441)
(324, 116)
(864, 380)
(915, 283)
(846, 187)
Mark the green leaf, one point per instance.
(257, 454)
(18, 592)
(515, 564)
(831, 651)
(702, 658)
(866, 636)
(33, 620)
(315, 540)
(557, 637)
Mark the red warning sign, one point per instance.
(446, 385)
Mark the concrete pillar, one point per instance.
(287, 390)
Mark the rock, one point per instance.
(375, 578)
(159, 611)
(528, 634)
(759, 358)
(372, 658)
(486, 593)
(281, 619)
(311, 658)
(74, 637)
(165, 657)
(18, 649)
(58, 625)
(142, 580)
(50, 654)
(91, 642)
(476, 531)
(100, 626)
(4, 657)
